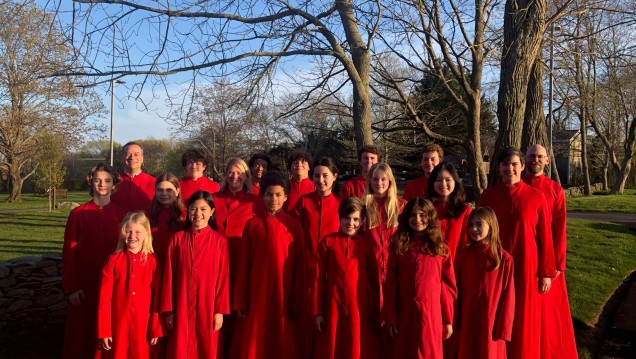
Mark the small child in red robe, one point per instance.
(347, 319)
(486, 292)
(420, 291)
(195, 287)
(128, 319)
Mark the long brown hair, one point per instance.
(176, 209)
(488, 215)
(433, 243)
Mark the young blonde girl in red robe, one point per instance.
(167, 213)
(420, 291)
(486, 292)
(128, 318)
(90, 237)
(195, 288)
(318, 215)
(347, 319)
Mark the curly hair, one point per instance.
(433, 243)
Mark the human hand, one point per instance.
(320, 323)
(545, 284)
(76, 298)
(218, 321)
(393, 331)
(153, 341)
(447, 331)
(105, 343)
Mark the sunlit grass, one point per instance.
(604, 202)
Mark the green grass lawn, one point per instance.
(31, 233)
(31, 201)
(604, 203)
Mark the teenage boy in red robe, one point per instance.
(137, 188)
(367, 157)
(195, 163)
(524, 219)
(300, 183)
(432, 154)
(259, 164)
(559, 329)
(267, 268)
(90, 237)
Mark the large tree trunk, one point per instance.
(587, 187)
(534, 125)
(524, 25)
(473, 149)
(15, 182)
(618, 187)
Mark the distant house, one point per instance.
(567, 153)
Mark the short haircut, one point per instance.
(194, 155)
(298, 154)
(260, 156)
(369, 149)
(507, 153)
(350, 205)
(273, 178)
(101, 167)
(131, 143)
(433, 147)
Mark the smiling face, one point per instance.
(367, 160)
(510, 170)
(235, 179)
(418, 222)
(133, 159)
(380, 183)
(199, 214)
(478, 229)
(350, 224)
(536, 160)
(324, 180)
(166, 193)
(274, 198)
(102, 184)
(258, 169)
(444, 184)
(195, 169)
(135, 236)
(429, 161)
(300, 169)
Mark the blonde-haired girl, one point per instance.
(128, 318)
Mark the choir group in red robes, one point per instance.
(301, 282)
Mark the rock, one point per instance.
(61, 306)
(4, 271)
(67, 205)
(56, 257)
(26, 261)
(49, 300)
(19, 292)
(50, 271)
(7, 282)
(19, 305)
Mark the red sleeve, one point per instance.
(323, 257)
(505, 315)
(348, 190)
(449, 290)
(559, 217)
(545, 245)
(222, 295)
(409, 192)
(156, 326)
(299, 270)
(373, 274)
(389, 307)
(104, 316)
(69, 253)
(167, 294)
(243, 267)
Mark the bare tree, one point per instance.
(229, 38)
(31, 50)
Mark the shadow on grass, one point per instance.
(610, 227)
(55, 224)
(31, 249)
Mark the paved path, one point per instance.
(626, 219)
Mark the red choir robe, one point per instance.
(348, 299)
(91, 235)
(134, 193)
(256, 189)
(485, 305)
(454, 230)
(318, 217)
(524, 228)
(195, 286)
(265, 286)
(162, 232)
(129, 305)
(189, 185)
(354, 187)
(558, 323)
(298, 189)
(419, 298)
(416, 188)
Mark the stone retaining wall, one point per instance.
(578, 190)
(31, 295)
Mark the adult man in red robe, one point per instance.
(432, 155)
(559, 330)
(195, 162)
(367, 157)
(137, 188)
(300, 183)
(267, 269)
(524, 220)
